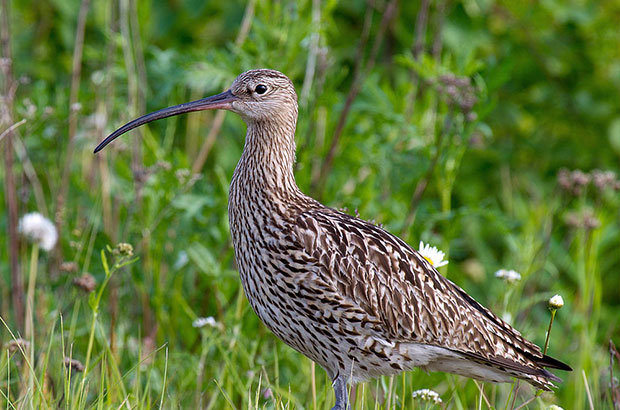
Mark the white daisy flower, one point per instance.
(556, 302)
(206, 321)
(433, 255)
(509, 276)
(37, 228)
(427, 395)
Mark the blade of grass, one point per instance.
(163, 389)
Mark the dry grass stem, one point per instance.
(216, 126)
(6, 118)
(76, 75)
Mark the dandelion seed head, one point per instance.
(433, 255)
(556, 302)
(509, 276)
(38, 229)
(427, 395)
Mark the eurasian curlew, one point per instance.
(347, 294)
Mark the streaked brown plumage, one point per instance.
(349, 295)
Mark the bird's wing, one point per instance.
(395, 286)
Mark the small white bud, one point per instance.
(556, 302)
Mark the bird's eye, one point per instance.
(261, 89)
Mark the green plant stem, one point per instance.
(549, 331)
(32, 278)
(29, 321)
(95, 307)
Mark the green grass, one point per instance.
(410, 154)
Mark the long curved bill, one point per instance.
(219, 101)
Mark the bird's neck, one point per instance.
(266, 165)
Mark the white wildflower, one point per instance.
(427, 395)
(509, 276)
(206, 321)
(39, 229)
(554, 407)
(556, 302)
(433, 255)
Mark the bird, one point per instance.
(349, 295)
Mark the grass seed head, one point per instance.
(68, 267)
(86, 282)
(74, 365)
(17, 344)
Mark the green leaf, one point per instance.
(204, 260)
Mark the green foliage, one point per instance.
(459, 143)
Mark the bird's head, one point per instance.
(259, 96)
(263, 95)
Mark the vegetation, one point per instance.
(483, 127)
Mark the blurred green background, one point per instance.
(445, 121)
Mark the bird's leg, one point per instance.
(342, 396)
